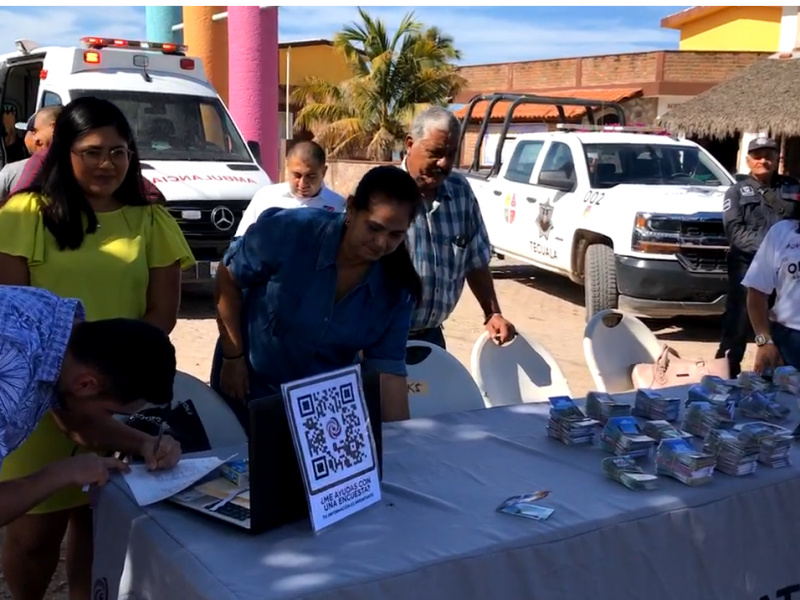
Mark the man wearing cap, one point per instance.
(38, 136)
(750, 208)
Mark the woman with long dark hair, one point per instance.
(320, 287)
(85, 231)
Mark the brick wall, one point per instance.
(615, 69)
(707, 66)
(343, 175)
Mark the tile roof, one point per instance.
(542, 112)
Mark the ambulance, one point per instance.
(188, 144)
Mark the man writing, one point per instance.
(750, 208)
(52, 360)
(448, 242)
(38, 136)
(304, 186)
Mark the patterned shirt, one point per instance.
(446, 241)
(32, 173)
(35, 327)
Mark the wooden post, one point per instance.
(782, 157)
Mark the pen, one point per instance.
(161, 429)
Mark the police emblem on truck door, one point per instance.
(545, 220)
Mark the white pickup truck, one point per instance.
(635, 218)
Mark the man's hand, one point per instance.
(767, 358)
(88, 469)
(500, 330)
(168, 455)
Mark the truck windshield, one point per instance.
(177, 127)
(651, 164)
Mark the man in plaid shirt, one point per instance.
(448, 242)
(32, 173)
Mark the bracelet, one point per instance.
(237, 357)
(489, 318)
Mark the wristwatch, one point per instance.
(762, 340)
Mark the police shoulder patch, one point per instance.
(746, 190)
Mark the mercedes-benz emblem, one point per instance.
(222, 218)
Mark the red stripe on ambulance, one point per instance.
(181, 178)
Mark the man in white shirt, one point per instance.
(776, 267)
(304, 186)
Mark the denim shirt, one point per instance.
(35, 327)
(292, 326)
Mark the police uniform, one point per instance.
(749, 209)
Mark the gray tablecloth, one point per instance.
(436, 535)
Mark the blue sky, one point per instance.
(484, 34)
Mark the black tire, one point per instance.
(600, 281)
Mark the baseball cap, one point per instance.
(762, 143)
(26, 126)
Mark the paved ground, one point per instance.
(541, 305)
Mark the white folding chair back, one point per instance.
(520, 371)
(613, 343)
(221, 425)
(437, 382)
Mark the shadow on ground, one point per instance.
(681, 329)
(197, 301)
(549, 283)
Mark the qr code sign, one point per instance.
(333, 428)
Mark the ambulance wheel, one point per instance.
(600, 280)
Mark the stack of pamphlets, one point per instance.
(625, 470)
(775, 443)
(664, 430)
(723, 399)
(623, 436)
(735, 456)
(748, 380)
(568, 423)
(652, 405)
(602, 406)
(702, 417)
(763, 406)
(787, 379)
(678, 459)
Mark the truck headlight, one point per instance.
(656, 234)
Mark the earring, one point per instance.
(347, 222)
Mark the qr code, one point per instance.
(334, 432)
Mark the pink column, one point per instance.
(253, 79)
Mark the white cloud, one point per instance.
(482, 37)
(65, 26)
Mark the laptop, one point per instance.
(273, 467)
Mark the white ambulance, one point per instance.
(188, 144)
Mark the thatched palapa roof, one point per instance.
(763, 97)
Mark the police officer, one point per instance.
(750, 208)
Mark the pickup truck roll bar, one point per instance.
(517, 100)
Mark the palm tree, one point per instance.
(368, 114)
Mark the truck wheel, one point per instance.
(600, 281)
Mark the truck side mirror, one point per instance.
(255, 149)
(557, 180)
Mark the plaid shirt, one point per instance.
(32, 173)
(446, 241)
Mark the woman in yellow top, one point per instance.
(86, 232)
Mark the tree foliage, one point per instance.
(366, 115)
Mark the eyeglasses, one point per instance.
(94, 158)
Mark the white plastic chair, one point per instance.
(613, 343)
(221, 425)
(519, 371)
(437, 382)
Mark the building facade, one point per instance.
(647, 84)
(770, 29)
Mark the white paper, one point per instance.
(149, 487)
(330, 426)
